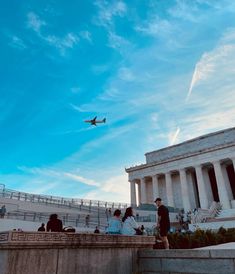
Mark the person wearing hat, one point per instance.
(163, 222)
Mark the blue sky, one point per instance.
(160, 71)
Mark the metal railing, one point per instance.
(58, 201)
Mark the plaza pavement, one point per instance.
(221, 246)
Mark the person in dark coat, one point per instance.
(54, 224)
(163, 221)
(42, 227)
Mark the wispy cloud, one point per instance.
(86, 35)
(57, 174)
(156, 27)
(17, 42)
(126, 74)
(68, 41)
(107, 10)
(34, 22)
(213, 61)
(115, 189)
(186, 11)
(118, 42)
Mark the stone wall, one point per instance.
(69, 253)
(186, 261)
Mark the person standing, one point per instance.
(3, 211)
(163, 222)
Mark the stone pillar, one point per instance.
(133, 193)
(169, 190)
(222, 190)
(143, 191)
(233, 159)
(201, 188)
(155, 187)
(184, 190)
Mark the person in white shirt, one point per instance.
(129, 226)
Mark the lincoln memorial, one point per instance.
(188, 175)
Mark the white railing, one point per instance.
(59, 201)
(202, 215)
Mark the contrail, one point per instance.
(172, 141)
(193, 81)
(202, 70)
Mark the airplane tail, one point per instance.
(104, 120)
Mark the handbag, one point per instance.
(69, 229)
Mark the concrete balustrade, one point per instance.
(69, 253)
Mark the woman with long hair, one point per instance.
(130, 227)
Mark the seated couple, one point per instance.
(127, 226)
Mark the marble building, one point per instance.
(188, 175)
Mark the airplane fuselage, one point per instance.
(94, 121)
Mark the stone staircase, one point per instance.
(203, 215)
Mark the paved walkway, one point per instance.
(221, 246)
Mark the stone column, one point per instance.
(133, 193)
(184, 190)
(143, 191)
(155, 187)
(169, 190)
(233, 159)
(222, 190)
(201, 188)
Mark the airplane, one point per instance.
(94, 121)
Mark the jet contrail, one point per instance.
(172, 141)
(202, 69)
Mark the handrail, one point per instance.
(67, 219)
(49, 199)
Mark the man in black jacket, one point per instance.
(163, 222)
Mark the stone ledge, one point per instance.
(186, 261)
(188, 253)
(34, 239)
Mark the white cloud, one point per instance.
(118, 42)
(68, 41)
(107, 10)
(17, 42)
(34, 22)
(80, 179)
(126, 74)
(86, 35)
(156, 27)
(185, 11)
(115, 189)
(77, 108)
(57, 174)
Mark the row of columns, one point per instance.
(203, 197)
